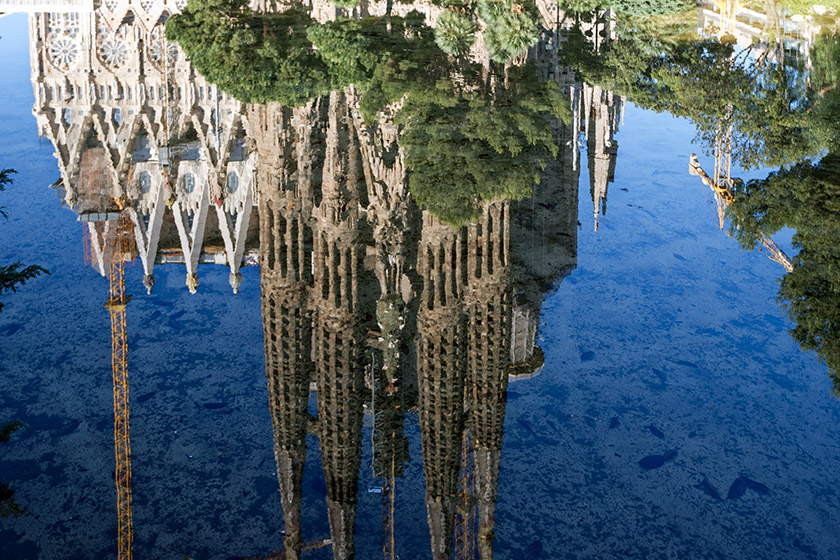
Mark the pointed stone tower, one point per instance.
(341, 293)
(442, 351)
(285, 282)
(489, 311)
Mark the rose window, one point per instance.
(113, 52)
(63, 52)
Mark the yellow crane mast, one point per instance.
(117, 300)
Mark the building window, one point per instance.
(232, 183)
(145, 182)
(188, 182)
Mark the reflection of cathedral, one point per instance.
(346, 291)
(602, 110)
(365, 297)
(134, 126)
(315, 290)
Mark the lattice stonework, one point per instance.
(157, 45)
(112, 46)
(63, 40)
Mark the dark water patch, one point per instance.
(706, 487)
(755, 486)
(104, 423)
(10, 329)
(737, 489)
(614, 423)
(660, 375)
(146, 396)
(56, 425)
(656, 431)
(679, 257)
(527, 426)
(173, 322)
(159, 302)
(727, 287)
(156, 315)
(20, 470)
(655, 461)
(53, 470)
(265, 486)
(319, 486)
(561, 417)
(782, 381)
(12, 547)
(587, 356)
(223, 411)
(533, 550)
(513, 395)
(654, 380)
(742, 484)
(685, 363)
(215, 405)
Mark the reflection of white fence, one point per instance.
(749, 26)
(29, 6)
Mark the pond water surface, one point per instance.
(563, 378)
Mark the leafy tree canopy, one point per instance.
(805, 197)
(638, 8)
(467, 146)
(256, 57)
(512, 27)
(455, 32)
(474, 136)
(663, 65)
(15, 274)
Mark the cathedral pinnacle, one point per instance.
(149, 282)
(192, 282)
(235, 280)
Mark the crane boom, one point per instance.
(721, 188)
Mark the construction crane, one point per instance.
(121, 245)
(723, 185)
